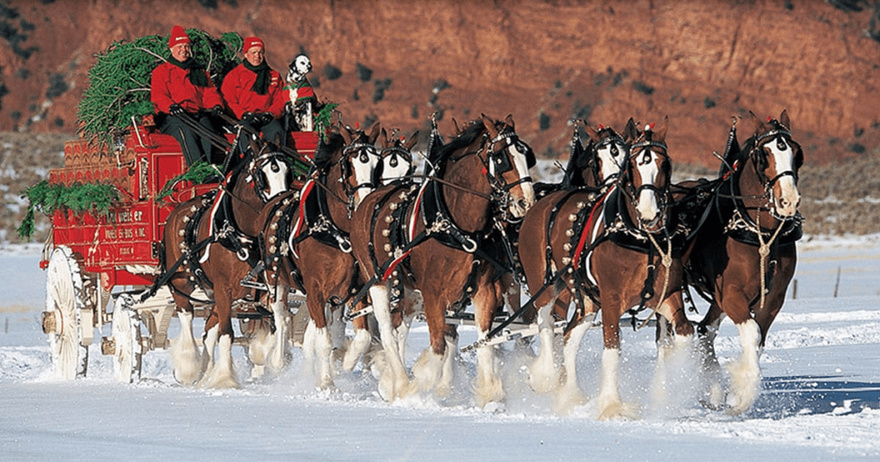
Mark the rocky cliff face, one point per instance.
(699, 62)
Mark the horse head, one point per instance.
(777, 159)
(646, 176)
(397, 161)
(606, 151)
(359, 160)
(507, 160)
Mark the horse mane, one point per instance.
(326, 150)
(463, 140)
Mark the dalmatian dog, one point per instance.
(302, 96)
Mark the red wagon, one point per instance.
(96, 264)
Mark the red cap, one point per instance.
(250, 42)
(178, 36)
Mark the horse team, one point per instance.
(367, 240)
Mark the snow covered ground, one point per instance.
(820, 398)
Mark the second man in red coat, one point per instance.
(253, 91)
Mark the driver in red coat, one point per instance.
(254, 92)
(184, 95)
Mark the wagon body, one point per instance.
(94, 258)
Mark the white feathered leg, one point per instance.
(608, 403)
(570, 394)
(278, 356)
(323, 351)
(745, 373)
(222, 374)
(714, 394)
(393, 379)
(210, 339)
(187, 361)
(544, 375)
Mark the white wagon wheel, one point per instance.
(65, 302)
(127, 340)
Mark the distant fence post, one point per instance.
(794, 290)
(837, 282)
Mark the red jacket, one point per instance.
(236, 89)
(169, 85)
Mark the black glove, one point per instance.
(248, 118)
(216, 110)
(175, 110)
(288, 107)
(263, 118)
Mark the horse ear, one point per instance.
(374, 133)
(590, 132)
(631, 131)
(455, 126)
(783, 119)
(661, 131)
(509, 121)
(347, 135)
(490, 125)
(413, 139)
(383, 140)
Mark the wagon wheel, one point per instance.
(65, 301)
(127, 340)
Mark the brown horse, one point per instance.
(216, 258)
(591, 170)
(396, 167)
(745, 272)
(617, 254)
(436, 231)
(306, 244)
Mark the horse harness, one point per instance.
(426, 201)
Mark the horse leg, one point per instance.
(487, 385)
(360, 343)
(608, 403)
(707, 330)
(321, 342)
(336, 328)
(745, 373)
(277, 357)
(569, 394)
(186, 359)
(674, 346)
(428, 368)
(412, 304)
(544, 374)
(222, 373)
(393, 379)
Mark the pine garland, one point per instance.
(323, 120)
(119, 82)
(199, 173)
(79, 197)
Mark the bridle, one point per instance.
(645, 149)
(258, 177)
(612, 140)
(498, 161)
(362, 152)
(759, 156)
(393, 156)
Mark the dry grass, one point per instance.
(837, 199)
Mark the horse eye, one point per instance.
(275, 168)
(394, 162)
(780, 144)
(614, 151)
(364, 158)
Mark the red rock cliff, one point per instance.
(699, 62)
